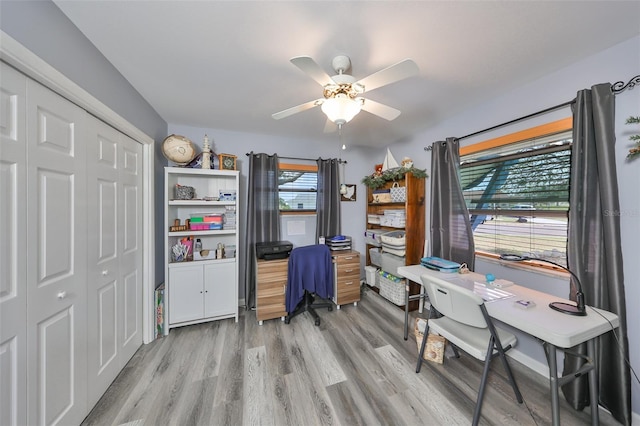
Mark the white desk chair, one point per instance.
(467, 325)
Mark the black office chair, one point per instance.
(309, 281)
(467, 325)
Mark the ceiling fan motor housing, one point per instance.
(341, 64)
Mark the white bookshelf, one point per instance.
(206, 288)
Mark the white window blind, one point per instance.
(297, 190)
(518, 196)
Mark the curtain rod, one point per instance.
(497, 126)
(616, 88)
(340, 160)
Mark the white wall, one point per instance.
(621, 62)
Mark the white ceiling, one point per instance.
(225, 64)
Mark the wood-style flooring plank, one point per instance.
(257, 395)
(354, 369)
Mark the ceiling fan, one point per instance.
(342, 93)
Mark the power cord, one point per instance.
(615, 336)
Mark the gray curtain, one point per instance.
(593, 249)
(451, 234)
(263, 215)
(328, 198)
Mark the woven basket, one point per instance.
(392, 289)
(398, 193)
(381, 196)
(184, 192)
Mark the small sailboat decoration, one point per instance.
(389, 161)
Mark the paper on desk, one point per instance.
(502, 283)
(490, 294)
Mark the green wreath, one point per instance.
(376, 181)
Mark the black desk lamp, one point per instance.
(566, 308)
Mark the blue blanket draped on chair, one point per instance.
(310, 269)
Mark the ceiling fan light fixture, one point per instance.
(341, 108)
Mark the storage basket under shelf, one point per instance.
(391, 287)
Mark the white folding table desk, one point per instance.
(555, 329)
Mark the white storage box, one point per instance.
(376, 256)
(373, 219)
(227, 195)
(393, 218)
(370, 275)
(391, 263)
(372, 237)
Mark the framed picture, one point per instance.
(227, 161)
(348, 192)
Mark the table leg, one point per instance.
(406, 310)
(593, 382)
(553, 379)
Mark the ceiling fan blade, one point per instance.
(312, 69)
(296, 109)
(401, 70)
(380, 110)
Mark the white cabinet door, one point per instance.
(57, 259)
(186, 293)
(13, 248)
(220, 289)
(115, 258)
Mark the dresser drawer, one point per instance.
(271, 287)
(347, 276)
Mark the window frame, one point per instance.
(554, 127)
(296, 167)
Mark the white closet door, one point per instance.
(131, 266)
(13, 248)
(56, 232)
(115, 254)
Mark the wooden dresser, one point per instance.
(346, 277)
(271, 289)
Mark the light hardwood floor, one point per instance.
(354, 369)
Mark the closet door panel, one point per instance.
(103, 286)
(13, 251)
(130, 245)
(115, 258)
(56, 277)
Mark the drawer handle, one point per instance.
(348, 270)
(348, 258)
(284, 289)
(348, 283)
(62, 295)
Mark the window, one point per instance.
(517, 192)
(297, 187)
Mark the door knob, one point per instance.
(62, 295)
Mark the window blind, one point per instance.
(518, 196)
(297, 190)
